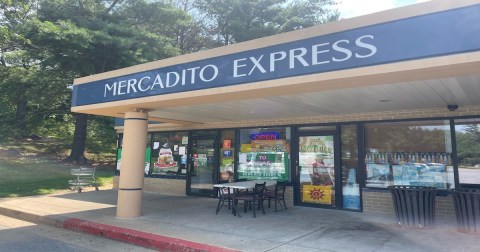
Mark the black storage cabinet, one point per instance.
(414, 205)
(467, 209)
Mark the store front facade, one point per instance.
(340, 111)
(327, 165)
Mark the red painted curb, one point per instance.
(140, 238)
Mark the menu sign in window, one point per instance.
(263, 165)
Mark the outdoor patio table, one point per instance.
(244, 185)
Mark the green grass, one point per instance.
(35, 168)
(22, 178)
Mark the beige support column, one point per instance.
(130, 189)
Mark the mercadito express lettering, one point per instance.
(314, 55)
(160, 81)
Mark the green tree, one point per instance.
(22, 79)
(234, 21)
(192, 33)
(473, 131)
(468, 145)
(306, 13)
(86, 37)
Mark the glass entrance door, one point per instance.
(316, 169)
(202, 166)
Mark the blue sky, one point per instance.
(353, 8)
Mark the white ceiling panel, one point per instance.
(423, 94)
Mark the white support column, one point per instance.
(130, 189)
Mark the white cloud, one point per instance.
(353, 8)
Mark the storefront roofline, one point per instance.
(431, 69)
(324, 29)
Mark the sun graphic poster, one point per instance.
(317, 194)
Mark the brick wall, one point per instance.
(160, 185)
(165, 186)
(377, 201)
(380, 202)
(289, 196)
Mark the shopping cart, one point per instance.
(84, 177)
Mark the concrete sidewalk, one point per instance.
(189, 224)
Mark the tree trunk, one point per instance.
(79, 140)
(20, 114)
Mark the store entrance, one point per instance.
(316, 169)
(202, 165)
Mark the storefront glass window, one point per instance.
(467, 134)
(264, 154)
(409, 153)
(349, 151)
(169, 154)
(227, 155)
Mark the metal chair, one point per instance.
(278, 195)
(224, 196)
(256, 197)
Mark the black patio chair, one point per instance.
(225, 195)
(278, 195)
(256, 197)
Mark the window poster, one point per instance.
(182, 150)
(227, 144)
(263, 165)
(316, 159)
(148, 153)
(317, 173)
(264, 154)
(165, 163)
(317, 194)
(226, 168)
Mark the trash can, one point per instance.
(414, 205)
(467, 209)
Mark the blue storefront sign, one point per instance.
(437, 34)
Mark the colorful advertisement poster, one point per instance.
(317, 170)
(316, 159)
(165, 162)
(317, 194)
(148, 152)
